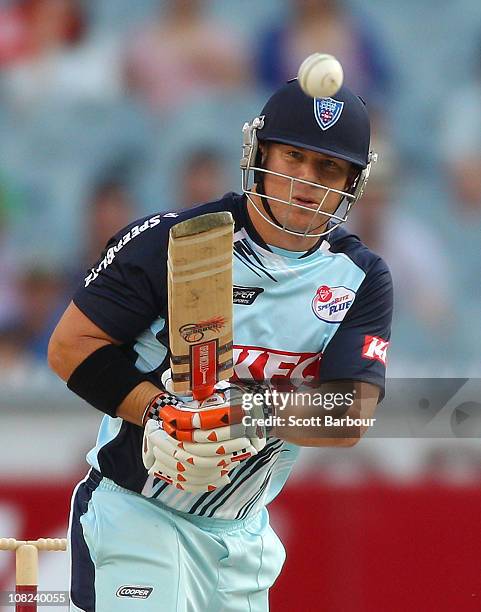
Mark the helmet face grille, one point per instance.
(321, 222)
(319, 217)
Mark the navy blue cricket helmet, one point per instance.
(337, 126)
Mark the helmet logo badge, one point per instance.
(327, 112)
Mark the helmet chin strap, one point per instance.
(265, 203)
(267, 206)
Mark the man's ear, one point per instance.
(352, 176)
(263, 151)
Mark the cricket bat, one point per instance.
(199, 278)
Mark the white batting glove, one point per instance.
(194, 445)
(180, 464)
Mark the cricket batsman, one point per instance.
(172, 515)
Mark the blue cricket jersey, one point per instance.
(298, 317)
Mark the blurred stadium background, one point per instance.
(112, 109)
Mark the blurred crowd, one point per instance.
(112, 110)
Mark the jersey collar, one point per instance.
(242, 217)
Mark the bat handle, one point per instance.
(202, 393)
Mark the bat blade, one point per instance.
(199, 278)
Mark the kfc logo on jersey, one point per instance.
(281, 368)
(330, 304)
(375, 348)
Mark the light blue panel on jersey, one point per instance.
(281, 470)
(252, 483)
(109, 429)
(285, 315)
(149, 350)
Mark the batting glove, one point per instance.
(226, 415)
(189, 466)
(194, 445)
(233, 411)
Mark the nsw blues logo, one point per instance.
(327, 112)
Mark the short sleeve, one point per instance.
(358, 349)
(125, 291)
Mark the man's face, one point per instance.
(299, 163)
